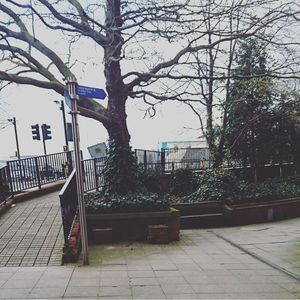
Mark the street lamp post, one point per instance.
(14, 122)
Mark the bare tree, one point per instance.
(156, 39)
(203, 81)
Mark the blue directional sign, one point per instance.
(68, 99)
(90, 92)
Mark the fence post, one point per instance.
(70, 163)
(145, 159)
(96, 177)
(2, 189)
(10, 179)
(37, 172)
(163, 160)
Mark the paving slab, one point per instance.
(277, 243)
(223, 263)
(108, 281)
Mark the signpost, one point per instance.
(73, 98)
(90, 92)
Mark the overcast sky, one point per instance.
(31, 105)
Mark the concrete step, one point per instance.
(202, 221)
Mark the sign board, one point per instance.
(69, 132)
(90, 92)
(98, 150)
(68, 100)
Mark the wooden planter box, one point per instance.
(261, 212)
(213, 214)
(200, 215)
(133, 226)
(205, 207)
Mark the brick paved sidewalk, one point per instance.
(31, 233)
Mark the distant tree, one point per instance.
(205, 79)
(287, 129)
(260, 129)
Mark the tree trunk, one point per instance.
(120, 171)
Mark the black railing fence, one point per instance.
(92, 171)
(36, 171)
(4, 184)
(68, 204)
(174, 158)
(149, 159)
(23, 174)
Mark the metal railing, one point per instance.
(36, 171)
(173, 158)
(68, 204)
(23, 174)
(4, 184)
(92, 172)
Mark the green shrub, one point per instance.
(220, 185)
(272, 189)
(215, 185)
(153, 181)
(135, 202)
(183, 182)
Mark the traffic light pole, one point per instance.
(44, 144)
(46, 135)
(71, 86)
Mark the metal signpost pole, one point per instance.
(71, 86)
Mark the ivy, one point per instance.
(183, 182)
(221, 185)
(215, 185)
(132, 202)
(120, 170)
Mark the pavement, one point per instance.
(259, 261)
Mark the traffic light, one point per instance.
(46, 132)
(70, 132)
(36, 132)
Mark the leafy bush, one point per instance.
(215, 185)
(269, 190)
(220, 185)
(183, 182)
(153, 180)
(134, 202)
